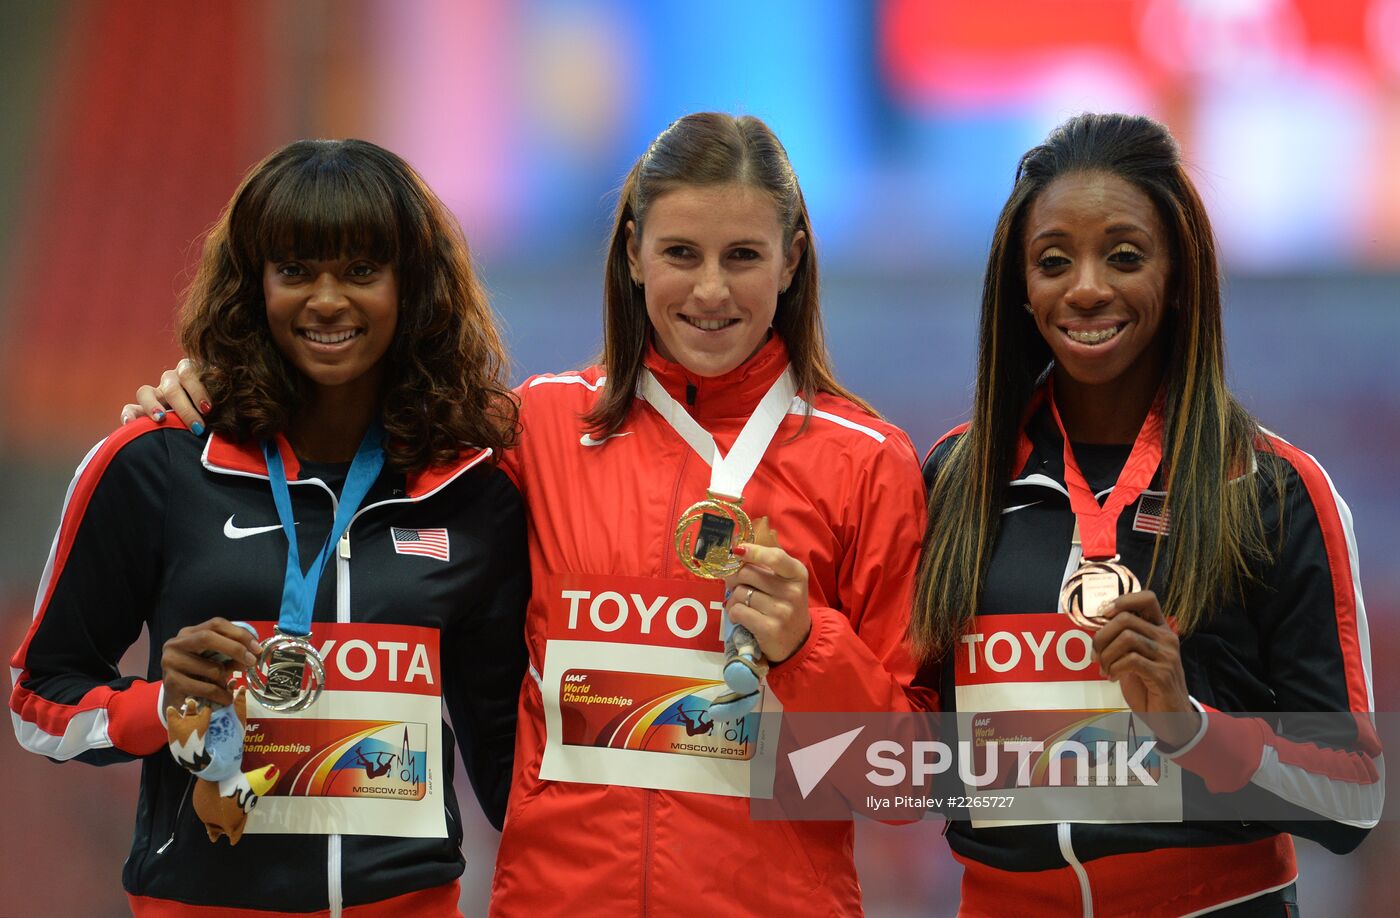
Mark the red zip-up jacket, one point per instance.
(844, 496)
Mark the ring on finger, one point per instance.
(748, 601)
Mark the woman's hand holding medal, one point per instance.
(1140, 651)
(768, 596)
(198, 661)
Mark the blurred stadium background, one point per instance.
(127, 124)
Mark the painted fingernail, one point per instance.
(197, 428)
(157, 416)
(205, 407)
(740, 550)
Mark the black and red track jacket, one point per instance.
(164, 529)
(1297, 642)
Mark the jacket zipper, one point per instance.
(668, 552)
(646, 848)
(178, 810)
(1067, 851)
(333, 890)
(335, 895)
(1063, 829)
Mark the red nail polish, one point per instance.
(205, 407)
(740, 550)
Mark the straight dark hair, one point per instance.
(445, 386)
(709, 148)
(1217, 530)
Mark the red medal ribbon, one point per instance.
(1098, 525)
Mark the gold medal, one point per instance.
(289, 674)
(1092, 585)
(722, 524)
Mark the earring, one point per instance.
(1028, 309)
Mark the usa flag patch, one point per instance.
(430, 542)
(1152, 515)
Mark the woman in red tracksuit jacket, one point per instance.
(711, 310)
(629, 797)
(1102, 380)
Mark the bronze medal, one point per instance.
(289, 674)
(1101, 576)
(722, 524)
(1090, 586)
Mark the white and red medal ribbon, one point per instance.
(729, 473)
(629, 673)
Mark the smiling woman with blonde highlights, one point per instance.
(1110, 491)
(1212, 435)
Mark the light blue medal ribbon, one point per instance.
(281, 681)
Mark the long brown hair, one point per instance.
(709, 148)
(1216, 531)
(444, 384)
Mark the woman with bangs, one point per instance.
(714, 418)
(358, 410)
(1111, 499)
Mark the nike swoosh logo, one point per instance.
(1021, 507)
(587, 439)
(242, 532)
